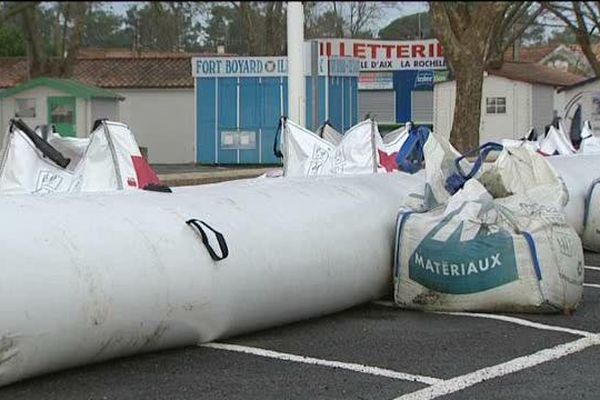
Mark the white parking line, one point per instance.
(522, 322)
(594, 285)
(592, 268)
(514, 320)
(509, 367)
(325, 363)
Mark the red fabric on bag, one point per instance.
(388, 161)
(145, 174)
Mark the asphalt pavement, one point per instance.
(374, 351)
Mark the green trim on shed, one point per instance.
(70, 86)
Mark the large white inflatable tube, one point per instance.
(88, 277)
(578, 172)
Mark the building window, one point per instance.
(61, 114)
(25, 108)
(495, 105)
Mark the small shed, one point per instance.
(70, 105)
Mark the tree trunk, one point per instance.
(583, 40)
(467, 109)
(338, 25)
(68, 61)
(252, 47)
(38, 59)
(270, 29)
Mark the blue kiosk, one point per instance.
(239, 101)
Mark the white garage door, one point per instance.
(380, 104)
(422, 106)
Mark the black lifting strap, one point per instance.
(220, 238)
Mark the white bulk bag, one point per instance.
(440, 158)
(533, 145)
(109, 159)
(578, 172)
(306, 154)
(556, 142)
(512, 254)
(515, 170)
(589, 142)
(518, 170)
(388, 147)
(530, 141)
(591, 218)
(88, 277)
(330, 134)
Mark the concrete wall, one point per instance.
(163, 121)
(514, 124)
(8, 108)
(105, 108)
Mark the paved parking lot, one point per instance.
(374, 351)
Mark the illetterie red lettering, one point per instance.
(384, 50)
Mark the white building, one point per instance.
(515, 98)
(158, 105)
(71, 106)
(580, 102)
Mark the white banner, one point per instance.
(214, 67)
(376, 81)
(387, 55)
(204, 67)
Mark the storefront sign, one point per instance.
(386, 55)
(376, 81)
(343, 66)
(239, 66)
(440, 76)
(424, 79)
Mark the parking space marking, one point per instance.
(592, 268)
(505, 318)
(325, 363)
(464, 381)
(594, 285)
(522, 322)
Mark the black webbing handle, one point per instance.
(277, 142)
(41, 144)
(220, 238)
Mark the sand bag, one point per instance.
(578, 172)
(306, 154)
(109, 159)
(88, 277)
(512, 254)
(589, 142)
(328, 133)
(388, 147)
(591, 218)
(515, 170)
(531, 141)
(556, 142)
